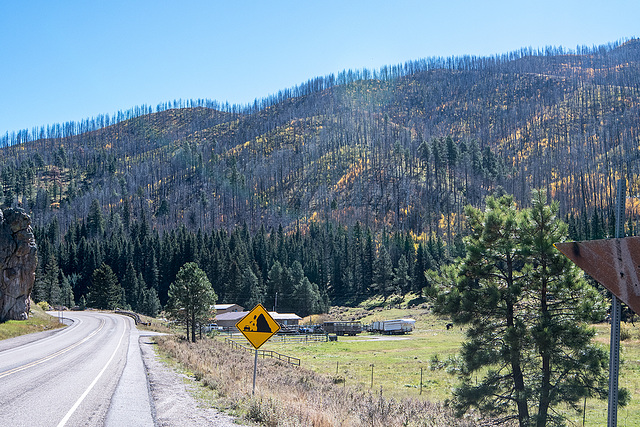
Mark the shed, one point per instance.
(229, 319)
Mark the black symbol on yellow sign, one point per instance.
(258, 326)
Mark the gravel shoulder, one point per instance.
(171, 396)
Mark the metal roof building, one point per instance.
(229, 319)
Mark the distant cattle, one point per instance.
(449, 326)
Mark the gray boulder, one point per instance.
(18, 261)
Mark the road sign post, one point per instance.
(257, 327)
(615, 264)
(616, 314)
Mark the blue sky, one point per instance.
(70, 60)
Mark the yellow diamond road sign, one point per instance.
(258, 326)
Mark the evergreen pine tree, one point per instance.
(95, 220)
(528, 348)
(293, 277)
(383, 273)
(252, 289)
(275, 284)
(418, 280)
(367, 261)
(105, 292)
(141, 293)
(306, 297)
(150, 302)
(131, 286)
(401, 279)
(66, 290)
(39, 292)
(51, 281)
(191, 298)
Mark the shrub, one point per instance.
(625, 334)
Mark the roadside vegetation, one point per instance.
(346, 365)
(38, 321)
(291, 395)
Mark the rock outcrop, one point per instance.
(18, 261)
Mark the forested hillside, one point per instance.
(362, 155)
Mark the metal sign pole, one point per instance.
(257, 327)
(255, 368)
(614, 362)
(616, 311)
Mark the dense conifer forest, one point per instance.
(328, 192)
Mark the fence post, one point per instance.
(372, 375)
(421, 381)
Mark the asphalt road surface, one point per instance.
(87, 374)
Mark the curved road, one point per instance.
(87, 374)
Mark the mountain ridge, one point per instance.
(399, 153)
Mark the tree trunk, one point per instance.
(193, 326)
(518, 377)
(545, 390)
(518, 381)
(545, 386)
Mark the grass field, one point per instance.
(288, 395)
(38, 321)
(396, 362)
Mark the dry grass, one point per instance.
(293, 396)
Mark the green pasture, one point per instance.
(397, 362)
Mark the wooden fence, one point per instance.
(283, 338)
(289, 338)
(264, 353)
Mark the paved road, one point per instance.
(87, 374)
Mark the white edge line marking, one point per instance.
(93, 383)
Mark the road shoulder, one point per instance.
(130, 404)
(172, 401)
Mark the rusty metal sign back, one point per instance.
(614, 263)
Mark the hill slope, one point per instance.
(402, 149)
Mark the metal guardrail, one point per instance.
(135, 316)
(265, 353)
